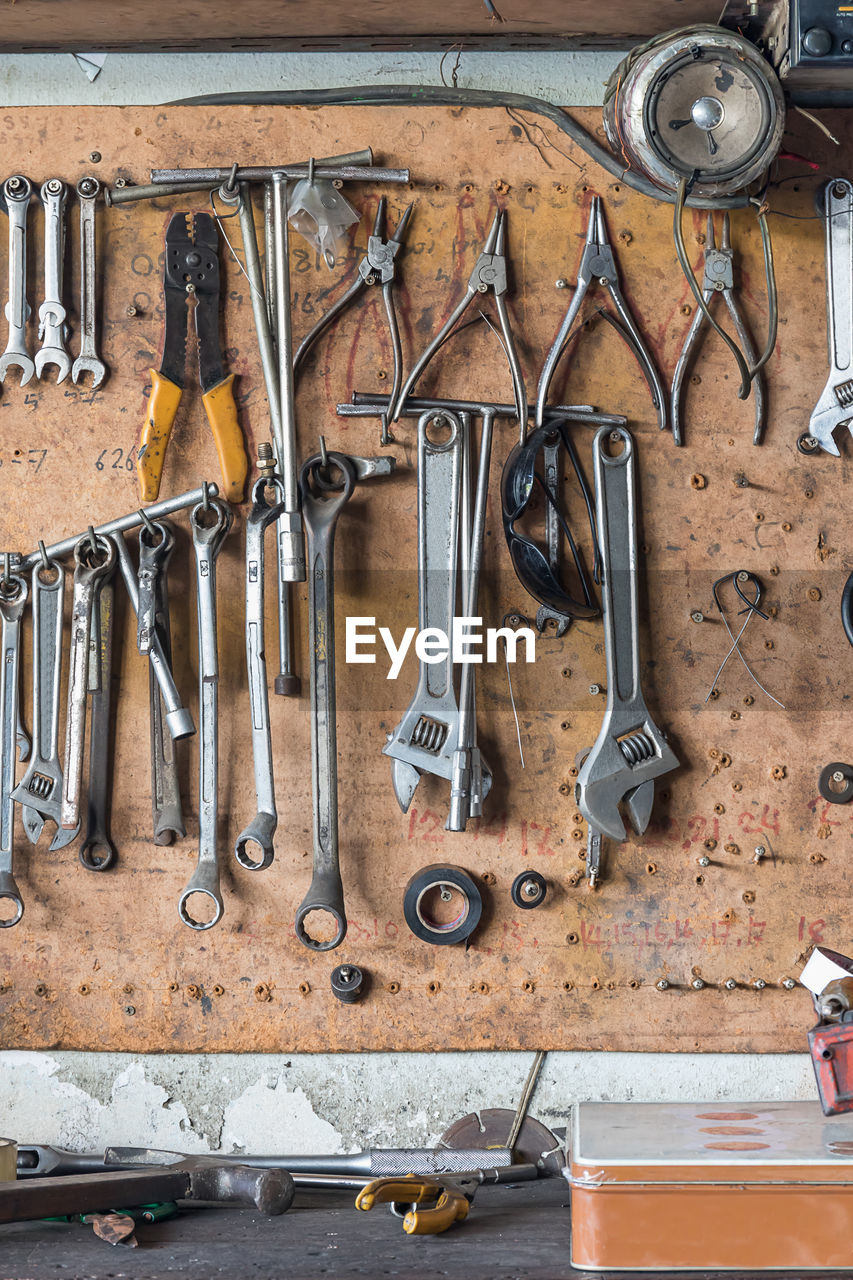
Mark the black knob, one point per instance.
(817, 42)
(529, 890)
(348, 983)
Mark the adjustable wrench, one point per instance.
(207, 543)
(322, 502)
(553, 535)
(179, 720)
(88, 360)
(17, 192)
(97, 852)
(12, 605)
(261, 829)
(630, 751)
(166, 807)
(90, 566)
(40, 789)
(52, 313)
(834, 409)
(424, 740)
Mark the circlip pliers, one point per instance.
(192, 271)
(598, 266)
(718, 278)
(376, 267)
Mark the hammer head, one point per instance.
(215, 1178)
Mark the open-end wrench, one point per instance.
(97, 852)
(424, 740)
(13, 598)
(155, 550)
(261, 829)
(207, 543)
(166, 809)
(52, 313)
(179, 719)
(40, 789)
(88, 360)
(553, 536)
(834, 409)
(630, 751)
(323, 499)
(17, 192)
(91, 563)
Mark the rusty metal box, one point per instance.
(689, 1186)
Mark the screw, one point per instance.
(561, 283)
(445, 893)
(131, 311)
(697, 984)
(788, 984)
(697, 616)
(743, 576)
(704, 861)
(759, 984)
(838, 776)
(662, 984)
(595, 690)
(808, 443)
(95, 157)
(130, 1010)
(266, 460)
(741, 481)
(760, 851)
(729, 984)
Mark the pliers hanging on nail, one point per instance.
(719, 278)
(376, 267)
(598, 266)
(489, 274)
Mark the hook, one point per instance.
(45, 563)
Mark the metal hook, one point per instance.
(310, 171)
(45, 563)
(323, 454)
(205, 495)
(231, 184)
(93, 541)
(5, 579)
(146, 520)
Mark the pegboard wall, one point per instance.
(103, 962)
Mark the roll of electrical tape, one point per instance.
(446, 881)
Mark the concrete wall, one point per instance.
(328, 1103)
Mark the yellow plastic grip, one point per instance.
(452, 1207)
(162, 407)
(447, 1204)
(221, 410)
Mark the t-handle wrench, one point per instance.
(207, 543)
(52, 313)
(323, 500)
(17, 192)
(88, 360)
(13, 598)
(261, 829)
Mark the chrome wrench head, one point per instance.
(52, 327)
(17, 192)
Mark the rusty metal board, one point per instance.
(103, 962)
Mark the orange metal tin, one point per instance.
(711, 1187)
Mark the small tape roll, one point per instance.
(416, 909)
(836, 792)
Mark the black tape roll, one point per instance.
(844, 792)
(417, 918)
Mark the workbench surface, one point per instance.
(512, 1233)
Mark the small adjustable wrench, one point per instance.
(630, 751)
(52, 313)
(40, 789)
(834, 409)
(88, 360)
(17, 192)
(97, 852)
(322, 502)
(12, 603)
(261, 829)
(207, 543)
(90, 565)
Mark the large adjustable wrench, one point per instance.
(425, 738)
(630, 751)
(834, 409)
(13, 598)
(17, 192)
(261, 829)
(322, 502)
(40, 789)
(52, 313)
(207, 543)
(88, 360)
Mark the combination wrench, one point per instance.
(261, 829)
(97, 852)
(40, 790)
(207, 543)
(322, 502)
(94, 559)
(52, 313)
(12, 604)
(834, 409)
(630, 751)
(17, 192)
(88, 360)
(166, 809)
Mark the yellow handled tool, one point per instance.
(443, 1201)
(192, 273)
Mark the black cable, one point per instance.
(441, 96)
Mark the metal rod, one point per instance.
(252, 261)
(217, 174)
(121, 524)
(334, 173)
(291, 534)
(366, 405)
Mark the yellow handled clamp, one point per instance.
(192, 272)
(434, 1203)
